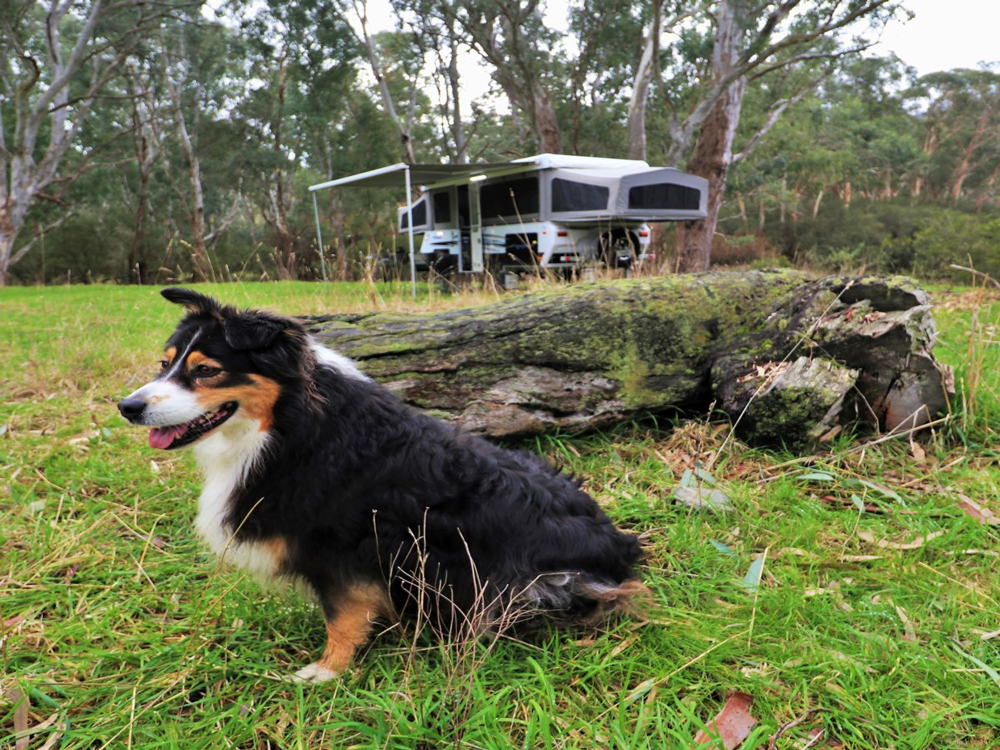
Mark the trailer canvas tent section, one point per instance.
(562, 204)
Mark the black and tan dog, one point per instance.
(313, 472)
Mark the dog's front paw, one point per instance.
(313, 673)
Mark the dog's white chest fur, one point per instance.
(225, 458)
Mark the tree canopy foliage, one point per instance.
(175, 139)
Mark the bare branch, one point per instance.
(808, 56)
(776, 111)
(23, 250)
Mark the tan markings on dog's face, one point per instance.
(168, 357)
(200, 366)
(256, 398)
(200, 358)
(356, 612)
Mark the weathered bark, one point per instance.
(636, 126)
(176, 77)
(147, 150)
(797, 356)
(457, 126)
(403, 125)
(714, 150)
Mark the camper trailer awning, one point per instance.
(420, 174)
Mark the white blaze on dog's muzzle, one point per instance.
(160, 403)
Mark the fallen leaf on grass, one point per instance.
(988, 636)
(703, 497)
(979, 512)
(860, 558)
(623, 645)
(988, 552)
(909, 633)
(795, 551)
(815, 592)
(83, 438)
(20, 718)
(732, 724)
(723, 548)
(993, 674)
(761, 668)
(752, 579)
(917, 543)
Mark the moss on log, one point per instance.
(788, 356)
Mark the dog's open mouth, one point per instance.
(179, 435)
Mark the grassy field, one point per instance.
(876, 620)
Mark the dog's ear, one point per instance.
(196, 303)
(249, 331)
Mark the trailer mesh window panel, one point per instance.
(509, 199)
(442, 207)
(568, 195)
(419, 215)
(664, 195)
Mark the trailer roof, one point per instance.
(429, 174)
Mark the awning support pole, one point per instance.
(319, 237)
(409, 231)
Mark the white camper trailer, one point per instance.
(550, 211)
(547, 211)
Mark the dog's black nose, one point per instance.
(131, 408)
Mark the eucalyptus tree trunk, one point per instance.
(402, 124)
(714, 149)
(457, 127)
(964, 168)
(38, 91)
(790, 359)
(636, 124)
(175, 74)
(146, 150)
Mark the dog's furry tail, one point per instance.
(630, 596)
(581, 598)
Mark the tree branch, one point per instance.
(776, 111)
(23, 250)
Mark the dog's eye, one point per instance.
(164, 364)
(206, 371)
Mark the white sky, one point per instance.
(943, 34)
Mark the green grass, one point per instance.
(119, 627)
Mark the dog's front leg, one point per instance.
(349, 617)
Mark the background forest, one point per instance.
(172, 140)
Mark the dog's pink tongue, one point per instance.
(162, 437)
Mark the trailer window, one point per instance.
(664, 195)
(510, 199)
(442, 207)
(419, 215)
(568, 195)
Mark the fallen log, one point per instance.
(788, 358)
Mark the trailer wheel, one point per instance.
(618, 248)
